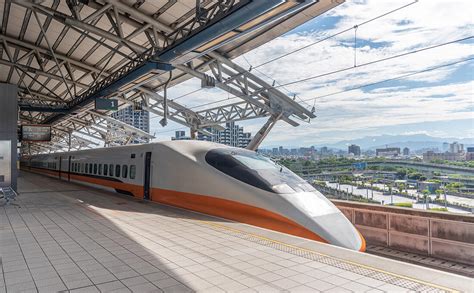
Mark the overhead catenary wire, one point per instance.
(336, 34)
(274, 80)
(393, 78)
(360, 86)
(344, 69)
(312, 44)
(379, 60)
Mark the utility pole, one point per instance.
(445, 198)
(372, 188)
(391, 195)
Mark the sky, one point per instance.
(438, 103)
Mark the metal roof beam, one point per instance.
(234, 112)
(249, 97)
(283, 99)
(20, 44)
(43, 73)
(124, 125)
(61, 17)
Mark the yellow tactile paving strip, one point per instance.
(367, 271)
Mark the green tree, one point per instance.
(454, 186)
(401, 173)
(438, 192)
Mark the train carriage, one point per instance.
(211, 178)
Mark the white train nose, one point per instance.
(338, 230)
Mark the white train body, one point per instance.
(211, 178)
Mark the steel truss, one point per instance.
(53, 79)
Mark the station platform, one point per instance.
(64, 237)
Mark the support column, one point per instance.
(8, 135)
(262, 133)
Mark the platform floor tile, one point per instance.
(60, 237)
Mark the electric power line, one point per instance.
(337, 34)
(359, 86)
(344, 69)
(311, 44)
(394, 78)
(379, 60)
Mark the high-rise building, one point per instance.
(354, 149)
(180, 135)
(136, 117)
(275, 152)
(456, 147)
(470, 154)
(406, 151)
(387, 152)
(445, 146)
(232, 135)
(447, 156)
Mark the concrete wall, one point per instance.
(8, 124)
(442, 235)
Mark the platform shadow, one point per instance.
(131, 227)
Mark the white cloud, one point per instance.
(423, 24)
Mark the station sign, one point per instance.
(36, 133)
(106, 104)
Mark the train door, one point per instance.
(69, 169)
(60, 161)
(147, 176)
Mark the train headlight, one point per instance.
(283, 188)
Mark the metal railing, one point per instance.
(7, 194)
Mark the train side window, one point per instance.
(124, 171)
(117, 170)
(90, 168)
(100, 169)
(95, 168)
(133, 170)
(87, 168)
(106, 169)
(111, 169)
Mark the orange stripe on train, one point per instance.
(210, 205)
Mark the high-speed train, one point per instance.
(210, 178)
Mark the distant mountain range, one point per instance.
(413, 142)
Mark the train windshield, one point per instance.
(256, 170)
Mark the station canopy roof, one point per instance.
(61, 53)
